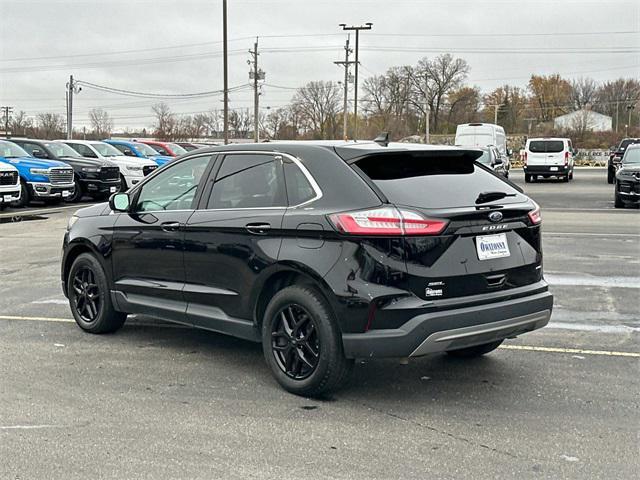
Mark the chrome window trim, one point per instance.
(276, 155)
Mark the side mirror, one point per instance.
(38, 153)
(119, 202)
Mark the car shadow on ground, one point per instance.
(426, 379)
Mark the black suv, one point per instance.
(324, 252)
(627, 191)
(616, 157)
(91, 176)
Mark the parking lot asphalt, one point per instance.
(157, 401)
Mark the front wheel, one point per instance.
(76, 196)
(477, 351)
(610, 176)
(25, 196)
(617, 200)
(89, 297)
(302, 343)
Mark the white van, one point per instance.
(548, 157)
(482, 135)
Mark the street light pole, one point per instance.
(225, 120)
(366, 26)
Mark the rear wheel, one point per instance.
(477, 351)
(527, 178)
(571, 175)
(610, 176)
(89, 297)
(302, 343)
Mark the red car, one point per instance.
(164, 148)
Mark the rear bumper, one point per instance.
(453, 329)
(546, 169)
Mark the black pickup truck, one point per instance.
(616, 157)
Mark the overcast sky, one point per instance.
(174, 46)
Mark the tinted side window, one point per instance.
(174, 188)
(248, 181)
(83, 150)
(160, 150)
(299, 190)
(122, 148)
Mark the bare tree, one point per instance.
(240, 123)
(614, 96)
(165, 122)
(212, 123)
(50, 125)
(20, 123)
(583, 92)
(317, 104)
(101, 122)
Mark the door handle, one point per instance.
(258, 228)
(170, 226)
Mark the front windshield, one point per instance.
(177, 149)
(632, 156)
(11, 150)
(106, 150)
(145, 149)
(61, 150)
(485, 158)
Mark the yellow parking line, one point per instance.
(607, 353)
(530, 348)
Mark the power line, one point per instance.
(119, 91)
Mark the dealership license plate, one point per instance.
(554, 169)
(112, 189)
(8, 198)
(492, 246)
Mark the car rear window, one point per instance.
(625, 143)
(546, 146)
(432, 181)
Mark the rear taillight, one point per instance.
(566, 158)
(525, 158)
(387, 221)
(534, 216)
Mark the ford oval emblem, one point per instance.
(495, 216)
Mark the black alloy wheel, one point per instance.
(295, 342)
(87, 295)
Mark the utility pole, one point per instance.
(366, 26)
(345, 109)
(630, 107)
(617, 117)
(7, 112)
(225, 120)
(255, 74)
(495, 112)
(72, 87)
(427, 114)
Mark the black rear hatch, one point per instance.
(488, 218)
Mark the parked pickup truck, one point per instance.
(9, 184)
(94, 177)
(132, 169)
(48, 180)
(140, 150)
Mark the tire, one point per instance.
(527, 178)
(617, 201)
(88, 280)
(25, 196)
(294, 314)
(571, 175)
(610, 176)
(565, 178)
(477, 351)
(77, 192)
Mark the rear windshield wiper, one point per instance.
(485, 197)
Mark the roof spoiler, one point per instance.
(382, 139)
